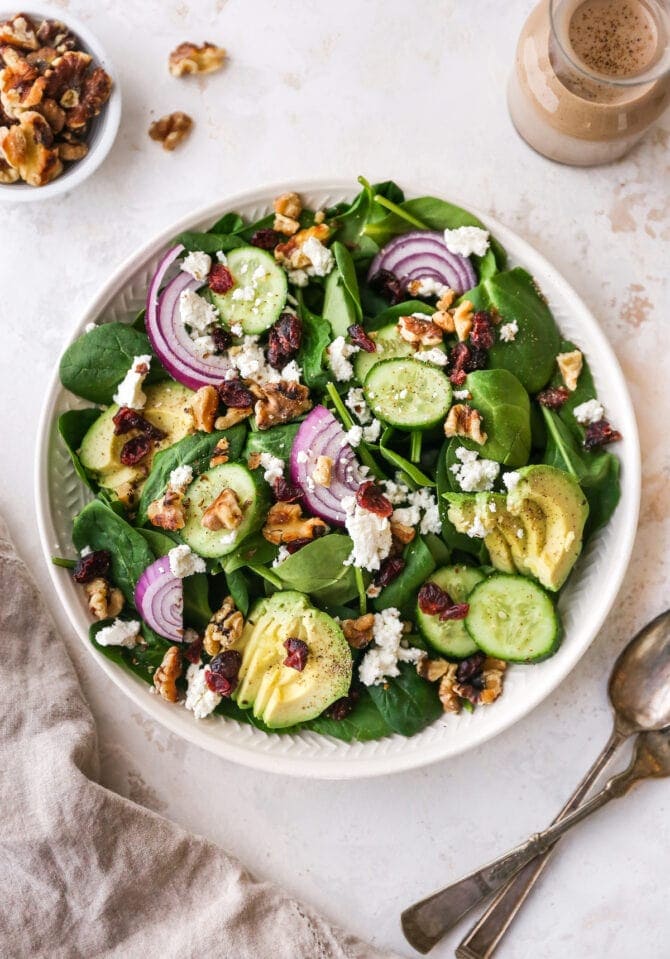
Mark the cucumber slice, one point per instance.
(407, 393)
(203, 491)
(390, 345)
(259, 294)
(512, 618)
(451, 638)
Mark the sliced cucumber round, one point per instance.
(259, 294)
(407, 393)
(202, 492)
(390, 345)
(512, 618)
(450, 638)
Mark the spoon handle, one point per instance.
(427, 921)
(485, 936)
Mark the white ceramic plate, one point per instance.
(584, 603)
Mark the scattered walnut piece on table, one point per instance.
(190, 58)
(167, 674)
(171, 130)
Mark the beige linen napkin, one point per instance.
(84, 872)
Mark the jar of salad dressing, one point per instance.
(590, 77)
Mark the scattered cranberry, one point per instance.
(389, 570)
(235, 394)
(92, 565)
(371, 498)
(286, 492)
(222, 339)
(220, 279)
(297, 653)
(481, 335)
(193, 651)
(266, 239)
(433, 599)
(465, 359)
(359, 337)
(227, 663)
(600, 434)
(470, 668)
(135, 450)
(126, 420)
(389, 286)
(284, 340)
(342, 707)
(456, 611)
(297, 544)
(553, 397)
(219, 684)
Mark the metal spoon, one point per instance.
(639, 689)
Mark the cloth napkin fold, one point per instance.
(85, 872)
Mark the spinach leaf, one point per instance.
(438, 549)
(254, 550)
(316, 335)
(531, 356)
(318, 569)
(94, 365)
(228, 223)
(450, 535)
(342, 302)
(391, 313)
(73, 426)
(99, 527)
(407, 702)
(143, 660)
(209, 242)
(197, 611)
(413, 476)
(238, 587)
(401, 593)
(278, 441)
(364, 723)
(351, 219)
(505, 408)
(194, 450)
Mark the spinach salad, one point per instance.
(341, 467)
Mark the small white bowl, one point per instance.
(103, 129)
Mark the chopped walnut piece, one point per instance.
(72, 151)
(493, 674)
(401, 532)
(323, 471)
(7, 173)
(419, 332)
(94, 94)
(54, 33)
(463, 420)
(224, 628)
(254, 461)
(42, 58)
(171, 129)
(285, 524)
(167, 674)
(20, 32)
(291, 253)
(232, 416)
(205, 406)
(223, 513)
(288, 204)
(66, 76)
(446, 300)
(220, 452)
(449, 699)
(54, 115)
(463, 320)
(21, 86)
(285, 224)
(280, 403)
(444, 320)
(104, 600)
(358, 632)
(570, 366)
(27, 146)
(189, 58)
(432, 669)
(168, 511)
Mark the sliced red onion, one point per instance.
(159, 599)
(320, 434)
(167, 333)
(423, 253)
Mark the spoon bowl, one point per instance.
(639, 686)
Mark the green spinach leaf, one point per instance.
(73, 426)
(407, 702)
(228, 223)
(505, 409)
(209, 242)
(364, 723)
(413, 476)
(391, 314)
(316, 335)
(318, 569)
(342, 302)
(255, 550)
(143, 660)
(278, 441)
(401, 593)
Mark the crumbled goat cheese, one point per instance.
(180, 478)
(121, 632)
(198, 264)
(89, 327)
(244, 294)
(236, 329)
(291, 372)
(355, 402)
(519, 533)
(199, 697)
(511, 480)
(407, 515)
(508, 331)
(426, 501)
(466, 240)
(354, 435)
(321, 258)
(221, 257)
(474, 475)
(259, 274)
(371, 535)
(129, 391)
(204, 345)
(589, 412)
(476, 530)
(395, 492)
(339, 352)
(249, 359)
(273, 466)
(373, 591)
(85, 551)
(461, 394)
(297, 277)
(196, 312)
(282, 554)
(381, 661)
(435, 356)
(302, 456)
(184, 562)
(371, 432)
(427, 286)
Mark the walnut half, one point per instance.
(224, 628)
(358, 632)
(280, 403)
(171, 130)
(285, 524)
(168, 511)
(167, 674)
(190, 58)
(463, 420)
(223, 513)
(104, 600)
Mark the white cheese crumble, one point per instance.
(89, 327)
(85, 551)
(355, 402)
(180, 478)
(236, 329)
(508, 331)
(199, 697)
(259, 274)
(427, 502)
(204, 345)
(291, 372)
(320, 257)
(511, 480)
(249, 359)
(407, 515)
(474, 475)
(589, 412)
(371, 432)
(120, 633)
(427, 286)
(282, 554)
(196, 312)
(519, 533)
(297, 277)
(221, 257)
(198, 264)
(273, 466)
(461, 394)
(354, 435)
(129, 391)
(466, 240)
(435, 356)
(302, 456)
(339, 352)
(184, 562)
(381, 661)
(476, 530)
(371, 535)
(244, 294)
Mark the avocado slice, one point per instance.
(280, 695)
(167, 407)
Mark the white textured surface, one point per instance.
(304, 94)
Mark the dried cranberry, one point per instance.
(359, 337)
(297, 544)
(219, 684)
(371, 498)
(286, 492)
(297, 653)
(266, 239)
(193, 651)
(600, 434)
(553, 397)
(465, 359)
(227, 663)
(388, 285)
(235, 394)
(222, 339)
(389, 570)
(432, 599)
(482, 335)
(135, 450)
(284, 340)
(455, 611)
(220, 279)
(342, 707)
(126, 420)
(470, 668)
(92, 565)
